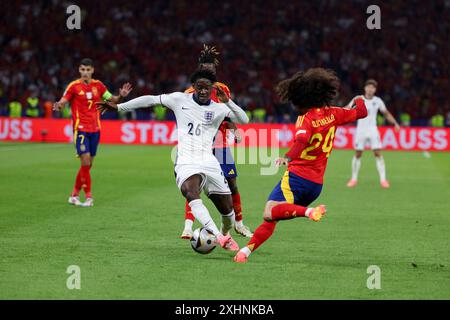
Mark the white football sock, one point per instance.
(201, 213)
(227, 222)
(308, 212)
(381, 168)
(356, 165)
(188, 224)
(245, 250)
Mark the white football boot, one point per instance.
(187, 233)
(75, 201)
(88, 203)
(243, 230)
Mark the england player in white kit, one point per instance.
(367, 133)
(198, 120)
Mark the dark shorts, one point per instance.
(226, 161)
(87, 142)
(297, 190)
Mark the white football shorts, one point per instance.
(370, 137)
(213, 181)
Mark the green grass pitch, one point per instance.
(128, 245)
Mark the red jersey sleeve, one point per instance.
(68, 94)
(344, 115)
(102, 88)
(303, 132)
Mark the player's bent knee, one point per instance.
(268, 210)
(189, 194)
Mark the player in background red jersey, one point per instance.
(208, 60)
(311, 92)
(82, 94)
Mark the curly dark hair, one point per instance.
(315, 87)
(203, 74)
(209, 55)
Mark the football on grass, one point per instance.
(203, 241)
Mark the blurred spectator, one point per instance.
(249, 115)
(380, 120)
(66, 113)
(48, 109)
(15, 109)
(259, 115)
(405, 119)
(438, 120)
(32, 108)
(159, 112)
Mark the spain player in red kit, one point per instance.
(208, 60)
(311, 92)
(82, 94)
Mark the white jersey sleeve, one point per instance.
(236, 114)
(139, 102)
(173, 100)
(381, 106)
(170, 101)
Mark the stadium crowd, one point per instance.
(154, 45)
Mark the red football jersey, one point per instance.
(221, 140)
(318, 128)
(82, 98)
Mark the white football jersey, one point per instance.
(373, 106)
(197, 125)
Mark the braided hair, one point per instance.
(209, 54)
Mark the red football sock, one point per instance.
(237, 206)
(261, 234)
(188, 213)
(86, 180)
(286, 211)
(77, 186)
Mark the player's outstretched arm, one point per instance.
(390, 118)
(105, 106)
(139, 102)
(344, 115)
(237, 114)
